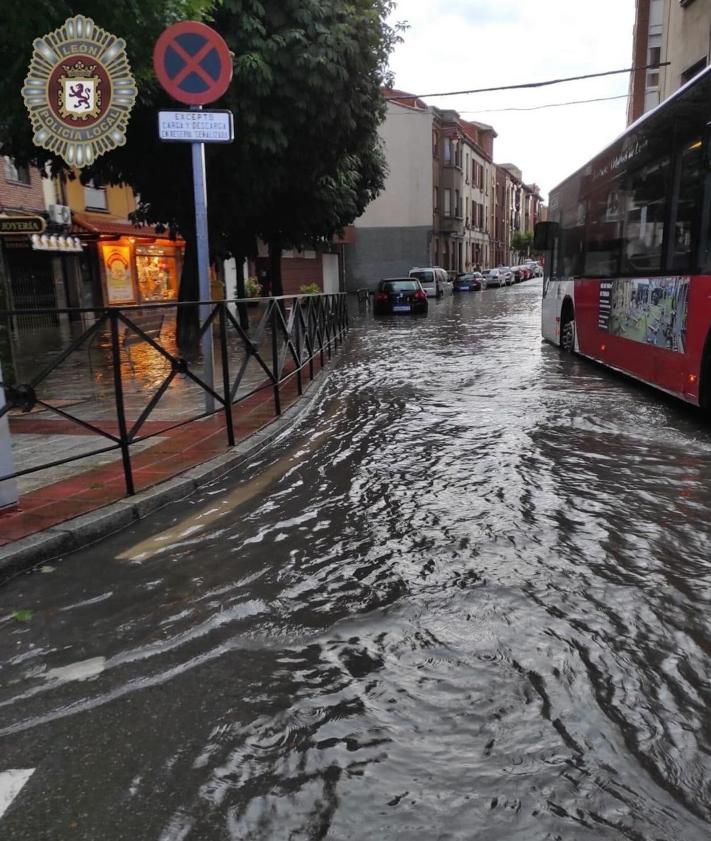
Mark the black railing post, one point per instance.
(309, 331)
(297, 343)
(320, 324)
(226, 387)
(120, 408)
(275, 358)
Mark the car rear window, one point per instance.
(423, 277)
(400, 286)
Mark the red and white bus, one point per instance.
(628, 251)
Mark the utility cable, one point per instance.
(550, 105)
(531, 84)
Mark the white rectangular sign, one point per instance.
(196, 126)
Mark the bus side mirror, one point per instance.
(545, 235)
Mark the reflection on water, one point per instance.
(468, 600)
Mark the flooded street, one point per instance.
(468, 598)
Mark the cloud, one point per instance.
(464, 44)
(481, 12)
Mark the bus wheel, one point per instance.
(567, 336)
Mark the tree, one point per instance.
(160, 173)
(138, 22)
(306, 96)
(522, 243)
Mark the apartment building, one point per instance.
(673, 31)
(445, 203)
(517, 211)
(395, 232)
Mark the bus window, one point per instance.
(603, 245)
(690, 184)
(646, 201)
(572, 235)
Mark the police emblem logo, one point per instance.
(79, 95)
(79, 91)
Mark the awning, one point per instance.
(113, 227)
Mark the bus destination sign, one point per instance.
(196, 126)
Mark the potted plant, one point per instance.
(310, 289)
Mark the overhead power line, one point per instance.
(525, 85)
(550, 105)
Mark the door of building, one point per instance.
(32, 287)
(331, 275)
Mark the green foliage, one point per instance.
(522, 243)
(138, 22)
(307, 97)
(252, 287)
(22, 615)
(310, 289)
(307, 101)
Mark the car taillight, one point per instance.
(420, 295)
(381, 296)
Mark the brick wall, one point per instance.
(14, 196)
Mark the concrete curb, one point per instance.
(29, 552)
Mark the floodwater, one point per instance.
(467, 599)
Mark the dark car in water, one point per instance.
(397, 295)
(469, 282)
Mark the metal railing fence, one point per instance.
(285, 338)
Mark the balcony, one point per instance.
(451, 224)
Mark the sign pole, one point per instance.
(203, 261)
(194, 65)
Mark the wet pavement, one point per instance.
(468, 599)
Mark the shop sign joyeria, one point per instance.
(79, 91)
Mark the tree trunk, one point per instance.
(188, 320)
(275, 268)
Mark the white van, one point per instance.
(434, 280)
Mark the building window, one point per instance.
(18, 173)
(655, 56)
(447, 150)
(94, 197)
(435, 198)
(447, 202)
(692, 71)
(457, 205)
(435, 145)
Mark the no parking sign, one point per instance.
(193, 62)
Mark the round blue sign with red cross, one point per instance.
(193, 62)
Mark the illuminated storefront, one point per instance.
(135, 268)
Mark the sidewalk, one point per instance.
(172, 452)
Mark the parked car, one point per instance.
(507, 273)
(469, 282)
(494, 277)
(433, 280)
(399, 295)
(535, 267)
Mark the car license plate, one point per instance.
(401, 308)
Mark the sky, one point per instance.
(463, 44)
